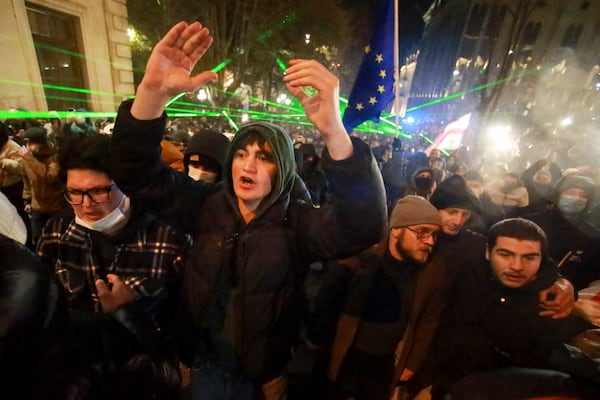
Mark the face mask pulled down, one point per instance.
(112, 222)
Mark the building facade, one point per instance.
(63, 54)
(527, 58)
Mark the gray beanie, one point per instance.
(414, 210)
(584, 183)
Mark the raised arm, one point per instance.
(139, 127)
(323, 108)
(169, 67)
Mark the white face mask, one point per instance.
(198, 174)
(111, 223)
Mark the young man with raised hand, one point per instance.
(252, 240)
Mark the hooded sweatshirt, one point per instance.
(283, 154)
(243, 282)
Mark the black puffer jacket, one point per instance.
(244, 280)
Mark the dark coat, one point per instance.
(342, 300)
(244, 281)
(574, 245)
(489, 326)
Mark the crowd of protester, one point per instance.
(158, 258)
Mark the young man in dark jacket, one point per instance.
(492, 321)
(456, 249)
(252, 240)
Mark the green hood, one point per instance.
(283, 153)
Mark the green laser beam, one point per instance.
(221, 65)
(231, 122)
(61, 88)
(472, 90)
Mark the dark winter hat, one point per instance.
(414, 210)
(454, 192)
(307, 149)
(574, 181)
(209, 144)
(36, 135)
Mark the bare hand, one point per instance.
(25, 152)
(558, 300)
(119, 294)
(322, 109)
(170, 65)
(588, 310)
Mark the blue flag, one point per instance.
(374, 86)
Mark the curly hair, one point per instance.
(84, 152)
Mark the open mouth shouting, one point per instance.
(246, 182)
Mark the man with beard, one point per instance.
(456, 249)
(364, 304)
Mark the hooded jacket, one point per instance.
(243, 281)
(412, 188)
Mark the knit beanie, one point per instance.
(574, 181)
(414, 210)
(453, 192)
(208, 143)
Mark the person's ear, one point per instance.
(487, 252)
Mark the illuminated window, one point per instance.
(57, 41)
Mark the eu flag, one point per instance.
(374, 86)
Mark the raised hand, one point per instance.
(168, 71)
(323, 108)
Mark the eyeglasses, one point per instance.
(97, 195)
(423, 234)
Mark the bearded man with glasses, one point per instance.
(365, 304)
(117, 264)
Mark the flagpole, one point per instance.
(396, 69)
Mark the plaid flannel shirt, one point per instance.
(147, 262)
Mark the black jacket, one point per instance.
(244, 281)
(489, 326)
(574, 245)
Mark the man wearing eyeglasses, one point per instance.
(457, 249)
(114, 261)
(363, 307)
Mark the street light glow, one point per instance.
(202, 95)
(567, 121)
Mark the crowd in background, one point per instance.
(162, 248)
